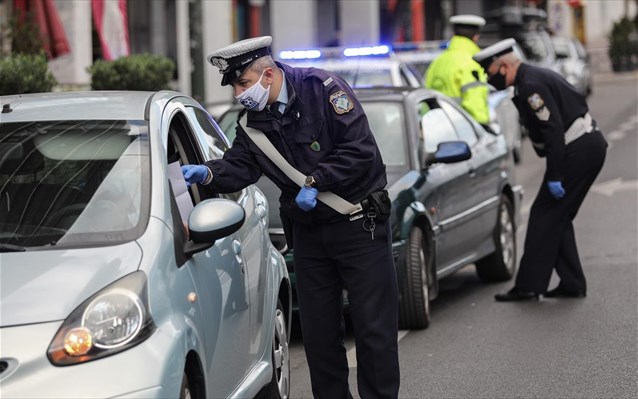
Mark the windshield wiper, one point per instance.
(11, 248)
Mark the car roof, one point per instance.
(77, 105)
(392, 93)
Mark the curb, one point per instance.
(614, 76)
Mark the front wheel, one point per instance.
(279, 387)
(414, 309)
(185, 391)
(501, 264)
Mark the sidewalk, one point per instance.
(601, 77)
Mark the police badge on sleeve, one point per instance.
(341, 102)
(538, 106)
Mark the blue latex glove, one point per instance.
(307, 198)
(556, 189)
(194, 173)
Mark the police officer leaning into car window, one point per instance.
(314, 120)
(562, 130)
(454, 72)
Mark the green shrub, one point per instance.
(25, 73)
(134, 72)
(623, 45)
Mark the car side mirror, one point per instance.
(450, 152)
(211, 220)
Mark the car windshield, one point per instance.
(386, 121)
(73, 183)
(366, 77)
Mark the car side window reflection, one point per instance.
(436, 128)
(463, 126)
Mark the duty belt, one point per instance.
(581, 126)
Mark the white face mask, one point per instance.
(255, 97)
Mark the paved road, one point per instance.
(478, 348)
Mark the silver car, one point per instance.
(574, 63)
(119, 280)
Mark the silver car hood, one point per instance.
(44, 286)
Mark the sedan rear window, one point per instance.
(73, 182)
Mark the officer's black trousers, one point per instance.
(327, 259)
(550, 243)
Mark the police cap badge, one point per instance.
(233, 60)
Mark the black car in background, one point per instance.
(529, 27)
(454, 198)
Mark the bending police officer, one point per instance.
(562, 130)
(315, 122)
(454, 72)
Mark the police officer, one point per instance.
(454, 72)
(316, 123)
(562, 130)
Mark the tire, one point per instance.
(516, 153)
(501, 264)
(279, 386)
(185, 392)
(414, 308)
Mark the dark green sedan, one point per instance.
(454, 198)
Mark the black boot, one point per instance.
(517, 295)
(560, 292)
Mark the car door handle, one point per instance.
(261, 210)
(237, 251)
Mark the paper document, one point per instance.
(180, 189)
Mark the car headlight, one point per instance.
(113, 320)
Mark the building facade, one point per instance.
(187, 30)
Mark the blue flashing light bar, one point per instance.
(299, 54)
(363, 51)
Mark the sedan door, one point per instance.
(480, 203)
(450, 198)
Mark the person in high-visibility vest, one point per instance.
(454, 72)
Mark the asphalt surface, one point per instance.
(555, 348)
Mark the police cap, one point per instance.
(469, 20)
(486, 56)
(233, 60)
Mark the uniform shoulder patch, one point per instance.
(536, 101)
(341, 102)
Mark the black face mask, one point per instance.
(498, 81)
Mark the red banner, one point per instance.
(45, 16)
(111, 22)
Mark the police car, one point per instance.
(403, 65)
(368, 66)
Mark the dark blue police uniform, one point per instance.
(562, 131)
(324, 133)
